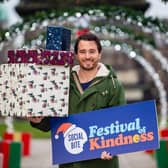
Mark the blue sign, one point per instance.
(121, 129)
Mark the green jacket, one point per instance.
(104, 91)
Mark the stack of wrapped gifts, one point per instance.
(36, 82)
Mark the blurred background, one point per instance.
(134, 35)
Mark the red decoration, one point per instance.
(149, 151)
(8, 136)
(81, 32)
(26, 142)
(164, 133)
(4, 149)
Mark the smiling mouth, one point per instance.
(88, 61)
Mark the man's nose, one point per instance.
(87, 55)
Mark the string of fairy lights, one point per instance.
(115, 25)
(154, 75)
(158, 55)
(126, 16)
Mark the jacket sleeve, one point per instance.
(118, 95)
(44, 125)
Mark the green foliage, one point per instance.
(165, 1)
(110, 13)
(24, 126)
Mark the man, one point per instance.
(93, 85)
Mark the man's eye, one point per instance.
(92, 51)
(82, 52)
(89, 52)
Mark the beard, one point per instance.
(90, 66)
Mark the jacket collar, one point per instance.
(102, 71)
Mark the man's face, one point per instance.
(88, 55)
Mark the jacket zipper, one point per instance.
(77, 83)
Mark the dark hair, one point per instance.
(88, 37)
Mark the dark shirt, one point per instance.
(86, 85)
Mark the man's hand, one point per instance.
(35, 119)
(106, 155)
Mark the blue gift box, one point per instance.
(58, 38)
